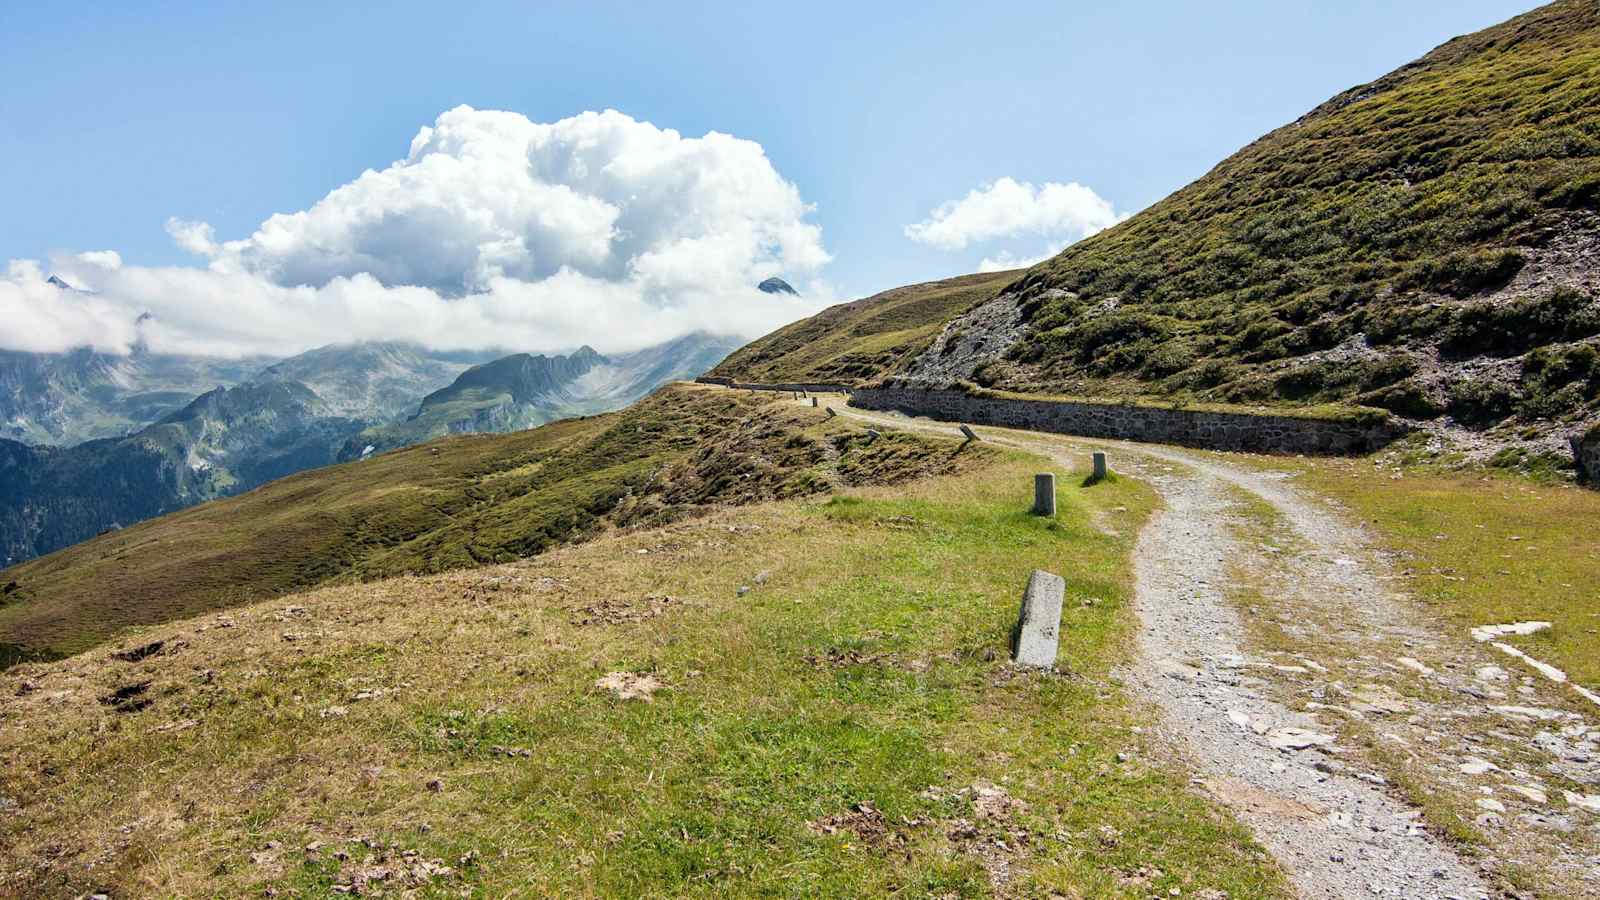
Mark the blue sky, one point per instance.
(121, 115)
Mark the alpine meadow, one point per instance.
(534, 515)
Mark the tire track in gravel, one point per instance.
(1336, 832)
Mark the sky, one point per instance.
(263, 178)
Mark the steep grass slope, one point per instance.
(862, 339)
(832, 715)
(455, 503)
(1426, 242)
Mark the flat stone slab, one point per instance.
(1037, 635)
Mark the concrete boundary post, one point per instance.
(1044, 494)
(1037, 635)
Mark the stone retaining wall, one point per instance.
(1586, 453)
(809, 387)
(1264, 433)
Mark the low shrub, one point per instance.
(1463, 273)
(1481, 402)
(1562, 314)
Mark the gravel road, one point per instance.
(1335, 829)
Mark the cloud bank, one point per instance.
(493, 231)
(1007, 208)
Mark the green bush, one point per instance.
(1408, 398)
(1463, 273)
(1562, 314)
(1481, 402)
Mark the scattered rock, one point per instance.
(1380, 700)
(1489, 632)
(128, 698)
(863, 820)
(618, 612)
(1491, 674)
(1297, 738)
(1591, 802)
(1545, 669)
(334, 712)
(1531, 712)
(1414, 665)
(836, 658)
(1475, 766)
(141, 652)
(1531, 794)
(991, 802)
(181, 725)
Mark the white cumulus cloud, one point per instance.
(493, 231)
(1007, 208)
(1006, 260)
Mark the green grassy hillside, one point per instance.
(863, 339)
(1440, 215)
(831, 714)
(455, 503)
(1426, 243)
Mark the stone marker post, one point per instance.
(1044, 494)
(872, 435)
(813, 403)
(1037, 635)
(796, 395)
(971, 435)
(1099, 466)
(831, 413)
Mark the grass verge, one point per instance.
(1481, 548)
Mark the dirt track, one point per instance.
(1271, 732)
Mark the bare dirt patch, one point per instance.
(629, 685)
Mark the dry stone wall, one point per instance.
(820, 387)
(1192, 428)
(1586, 453)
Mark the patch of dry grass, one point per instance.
(454, 503)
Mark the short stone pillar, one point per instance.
(872, 435)
(813, 403)
(1044, 494)
(971, 435)
(1099, 466)
(1037, 635)
(831, 413)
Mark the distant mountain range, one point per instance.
(157, 447)
(68, 398)
(522, 391)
